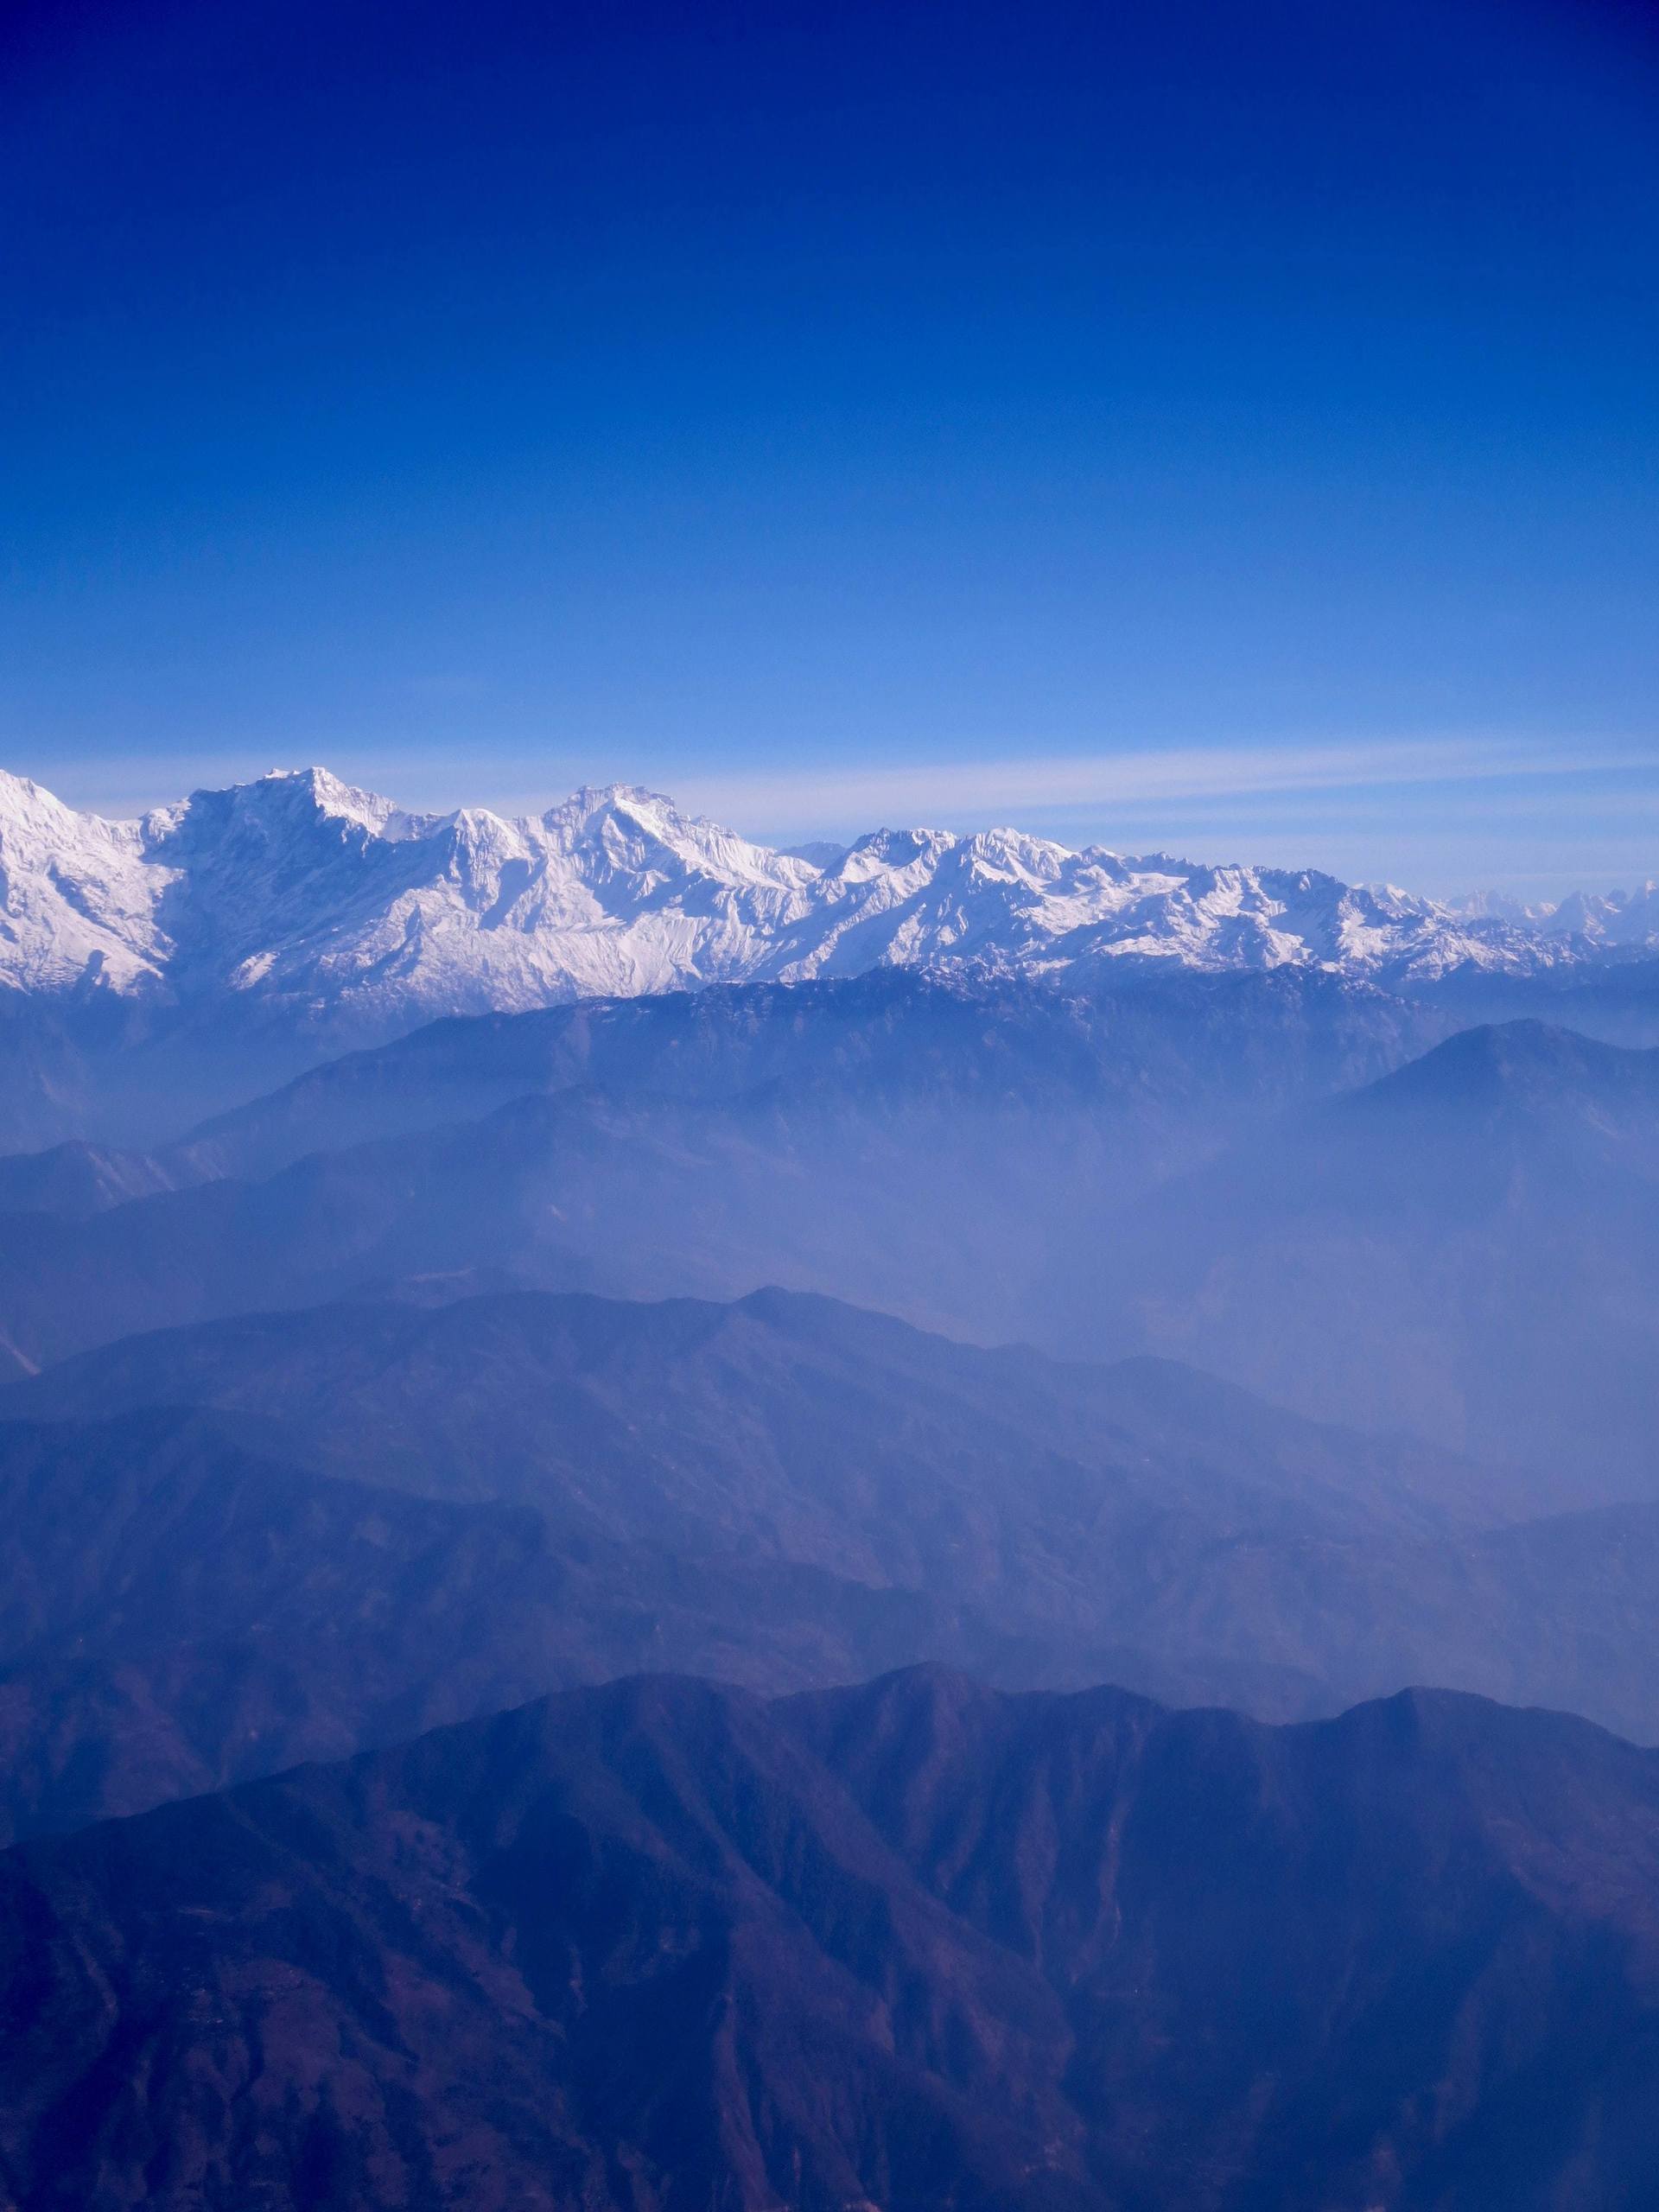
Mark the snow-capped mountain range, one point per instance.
(301, 892)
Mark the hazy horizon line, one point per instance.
(1492, 779)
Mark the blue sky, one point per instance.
(1226, 427)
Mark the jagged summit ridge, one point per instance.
(301, 889)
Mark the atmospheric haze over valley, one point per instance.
(449, 1263)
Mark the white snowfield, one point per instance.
(301, 891)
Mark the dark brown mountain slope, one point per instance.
(178, 1611)
(915, 1946)
(392, 1516)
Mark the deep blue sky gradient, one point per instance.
(1228, 426)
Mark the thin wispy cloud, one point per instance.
(1447, 813)
(950, 792)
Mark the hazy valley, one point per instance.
(1256, 1321)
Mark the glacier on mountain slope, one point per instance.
(298, 890)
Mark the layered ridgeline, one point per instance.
(924, 1145)
(663, 1945)
(308, 914)
(227, 1548)
(1236, 1171)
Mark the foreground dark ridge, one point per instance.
(663, 1945)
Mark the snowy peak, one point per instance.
(1618, 918)
(302, 894)
(77, 898)
(287, 803)
(639, 832)
(1613, 917)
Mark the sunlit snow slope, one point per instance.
(301, 891)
